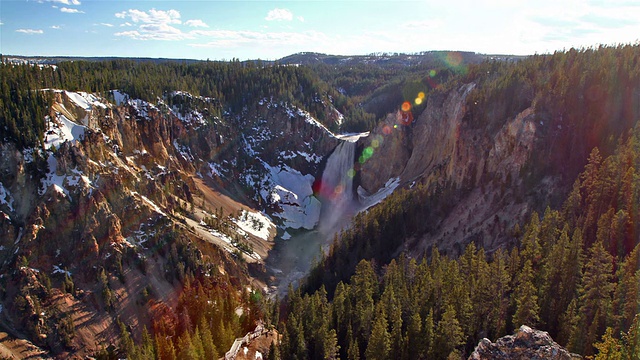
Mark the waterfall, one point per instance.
(336, 187)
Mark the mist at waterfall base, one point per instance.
(294, 258)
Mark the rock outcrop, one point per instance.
(483, 161)
(526, 344)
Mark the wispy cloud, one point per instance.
(30, 31)
(279, 15)
(66, 2)
(71, 11)
(152, 17)
(153, 25)
(55, 27)
(106, 24)
(196, 23)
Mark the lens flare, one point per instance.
(421, 95)
(432, 73)
(418, 101)
(454, 59)
(406, 106)
(368, 152)
(375, 143)
(351, 173)
(386, 130)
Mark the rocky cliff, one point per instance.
(525, 344)
(126, 196)
(443, 148)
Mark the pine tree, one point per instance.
(595, 300)
(379, 343)
(609, 348)
(415, 343)
(526, 298)
(626, 298)
(448, 335)
(364, 288)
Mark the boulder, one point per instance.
(525, 344)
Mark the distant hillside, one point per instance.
(430, 58)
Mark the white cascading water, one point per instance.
(296, 256)
(336, 187)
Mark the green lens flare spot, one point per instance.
(368, 152)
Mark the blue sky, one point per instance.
(201, 29)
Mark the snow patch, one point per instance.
(120, 97)
(5, 197)
(85, 100)
(293, 193)
(52, 179)
(184, 151)
(352, 137)
(58, 270)
(190, 117)
(153, 205)
(255, 223)
(368, 201)
(61, 130)
(310, 157)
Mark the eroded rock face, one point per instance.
(483, 161)
(526, 344)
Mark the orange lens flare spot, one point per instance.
(421, 95)
(406, 106)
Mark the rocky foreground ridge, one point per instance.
(525, 344)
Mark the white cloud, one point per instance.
(153, 25)
(196, 23)
(56, 27)
(156, 32)
(66, 2)
(106, 24)
(279, 15)
(152, 17)
(30, 31)
(1, 23)
(300, 18)
(71, 11)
